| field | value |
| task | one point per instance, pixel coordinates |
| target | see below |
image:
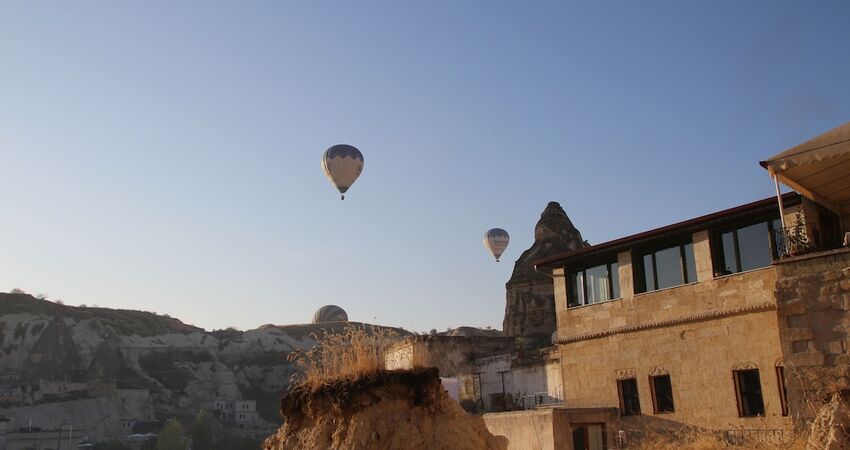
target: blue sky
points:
(164, 156)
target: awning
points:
(819, 169)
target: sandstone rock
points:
(380, 411)
(530, 307)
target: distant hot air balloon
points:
(496, 240)
(342, 165)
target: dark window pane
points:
(577, 289)
(629, 400)
(754, 246)
(730, 266)
(662, 390)
(749, 392)
(778, 237)
(648, 270)
(668, 267)
(597, 284)
(615, 280)
(690, 263)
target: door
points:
(588, 436)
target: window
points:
(668, 267)
(748, 392)
(662, 394)
(594, 285)
(629, 399)
(745, 248)
(783, 393)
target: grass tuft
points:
(350, 354)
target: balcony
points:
(807, 237)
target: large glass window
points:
(668, 267)
(594, 284)
(745, 248)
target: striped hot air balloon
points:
(496, 240)
(342, 165)
(330, 313)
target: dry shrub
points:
(827, 430)
(352, 353)
(695, 439)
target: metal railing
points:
(809, 237)
(542, 399)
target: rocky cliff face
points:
(530, 308)
(103, 350)
(380, 411)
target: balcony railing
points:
(542, 399)
(804, 238)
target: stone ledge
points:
(711, 315)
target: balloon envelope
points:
(496, 240)
(342, 165)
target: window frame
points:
(623, 411)
(718, 254)
(655, 406)
(572, 288)
(639, 277)
(739, 395)
(783, 391)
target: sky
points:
(164, 156)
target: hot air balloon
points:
(496, 240)
(342, 165)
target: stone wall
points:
(813, 295)
(550, 429)
(451, 355)
(697, 333)
(525, 430)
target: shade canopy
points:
(819, 169)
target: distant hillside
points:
(43, 342)
(122, 321)
(471, 331)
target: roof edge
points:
(665, 229)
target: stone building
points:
(737, 320)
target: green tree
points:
(171, 436)
(202, 431)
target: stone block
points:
(793, 307)
(845, 285)
(831, 276)
(835, 347)
(798, 334)
(806, 359)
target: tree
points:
(202, 431)
(171, 436)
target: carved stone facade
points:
(530, 308)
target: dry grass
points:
(707, 440)
(349, 354)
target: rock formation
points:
(530, 308)
(102, 354)
(385, 410)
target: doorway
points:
(588, 436)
